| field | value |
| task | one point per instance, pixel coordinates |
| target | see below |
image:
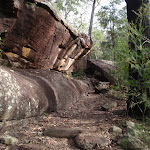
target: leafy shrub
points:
(133, 61)
(79, 74)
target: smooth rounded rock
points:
(130, 124)
(91, 140)
(9, 140)
(115, 132)
(62, 132)
(109, 106)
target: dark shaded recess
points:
(47, 9)
(2, 34)
(7, 8)
(132, 7)
(138, 111)
(49, 94)
(71, 33)
(32, 1)
(30, 48)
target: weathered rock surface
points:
(91, 141)
(102, 87)
(5, 62)
(9, 140)
(101, 70)
(29, 146)
(130, 124)
(115, 132)
(36, 36)
(116, 94)
(27, 93)
(62, 132)
(133, 143)
(136, 137)
(109, 106)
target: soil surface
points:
(86, 114)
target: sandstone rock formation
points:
(36, 36)
(101, 70)
(31, 92)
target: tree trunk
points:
(133, 7)
(91, 23)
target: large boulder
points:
(101, 70)
(27, 93)
(89, 141)
(36, 36)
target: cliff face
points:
(34, 36)
(37, 37)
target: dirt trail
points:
(85, 114)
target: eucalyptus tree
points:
(111, 20)
(76, 12)
(65, 7)
(91, 23)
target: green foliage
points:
(124, 143)
(46, 114)
(140, 132)
(133, 64)
(96, 73)
(144, 133)
(112, 20)
(98, 37)
(67, 6)
(79, 74)
(75, 12)
(139, 79)
(121, 53)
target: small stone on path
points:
(109, 106)
(115, 132)
(9, 140)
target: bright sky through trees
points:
(106, 2)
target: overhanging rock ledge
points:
(36, 36)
